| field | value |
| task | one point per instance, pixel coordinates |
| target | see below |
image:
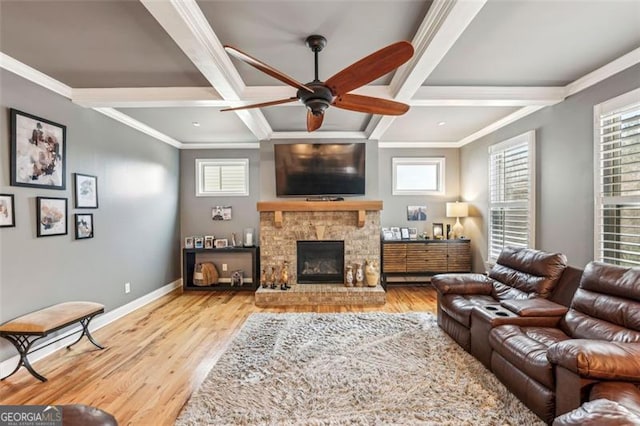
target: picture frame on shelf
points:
(221, 243)
(38, 152)
(7, 211)
(198, 242)
(84, 226)
(208, 241)
(404, 233)
(395, 231)
(85, 191)
(413, 233)
(438, 231)
(188, 242)
(51, 216)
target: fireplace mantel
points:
(319, 206)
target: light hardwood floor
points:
(158, 355)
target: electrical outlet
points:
(224, 266)
(127, 287)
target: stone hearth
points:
(321, 294)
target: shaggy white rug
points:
(356, 369)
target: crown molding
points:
(221, 145)
(486, 96)
(412, 144)
(604, 72)
(25, 71)
(141, 127)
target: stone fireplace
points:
(285, 223)
(320, 262)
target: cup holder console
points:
(502, 314)
(491, 308)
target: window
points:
(222, 177)
(512, 194)
(617, 180)
(418, 176)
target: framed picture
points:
(7, 211)
(221, 243)
(438, 231)
(416, 212)
(208, 241)
(198, 242)
(413, 233)
(404, 233)
(84, 226)
(188, 242)
(395, 231)
(221, 213)
(38, 149)
(85, 191)
(51, 214)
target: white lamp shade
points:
(457, 209)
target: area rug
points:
(355, 369)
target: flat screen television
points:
(317, 170)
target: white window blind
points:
(617, 186)
(512, 194)
(222, 177)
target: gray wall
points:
(136, 225)
(395, 206)
(195, 212)
(564, 167)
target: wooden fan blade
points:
(260, 105)
(370, 68)
(314, 121)
(266, 68)
(370, 105)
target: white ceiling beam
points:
(185, 23)
(148, 97)
(412, 144)
(319, 135)
(486, 96)
(444, 22)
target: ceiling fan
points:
(317, 95)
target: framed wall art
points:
(38, 149)
(84, 226)
(51, 215)
(416, 212)
(85, 190)
(7, 211)
(221, 213)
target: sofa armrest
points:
(462, 283)
(537, 307)
(599, 412)
(598, 359)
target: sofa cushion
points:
(459, 306)
(531, 271)
(624, 393)
(526, 348)
(606, 306)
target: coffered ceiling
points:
(159, 65)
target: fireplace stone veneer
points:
(299, 220)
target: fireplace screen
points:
(320, 262)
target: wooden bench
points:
(23, 332)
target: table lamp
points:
(457, 210)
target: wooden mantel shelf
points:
(319, 206)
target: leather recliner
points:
(610, 404)
(519, 273)
(550, 369)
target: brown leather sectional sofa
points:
(548, 343)
(610, 404)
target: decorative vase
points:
(359, 275)
(348, 276)
(371, 273)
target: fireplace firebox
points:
(320, 262)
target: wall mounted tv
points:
(317, 170)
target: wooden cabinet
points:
(245, 259)
(423, 258)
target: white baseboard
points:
(69, 336)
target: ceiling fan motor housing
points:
(319, 100)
